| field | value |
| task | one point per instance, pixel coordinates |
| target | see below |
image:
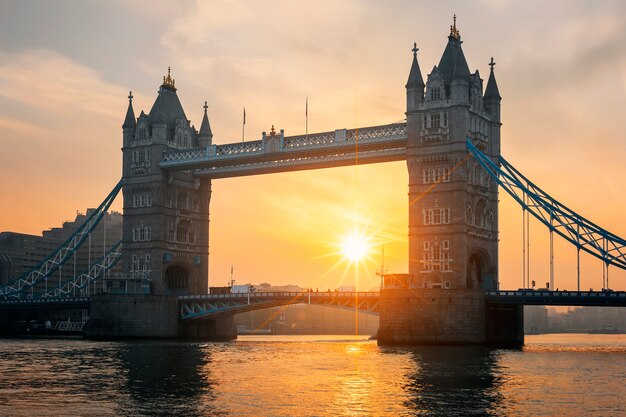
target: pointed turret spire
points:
(205, 136)
(130, 122)
(454, 32)
(169, 82)
(492, 86)
(415, 75)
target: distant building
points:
(19, 252)
(541, 319)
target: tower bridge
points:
(451, 142)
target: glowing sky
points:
(66, 68)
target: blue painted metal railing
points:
(97, 270)
(573, 227)
(61, 254)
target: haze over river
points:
(561, 374)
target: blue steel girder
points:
(61, 254)
(97, 270)
(560, 298)
(560, 219)
(279, 154)
(221, 305)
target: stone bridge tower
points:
(453, 210)
(453, 204)
(166, 214)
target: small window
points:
(445, 244)
(435, 93)
(426, 245)
(434, 120)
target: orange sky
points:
(65, 72)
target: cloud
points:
(48, 82)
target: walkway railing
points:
(284, 146)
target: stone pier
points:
(149, 317)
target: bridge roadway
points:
(221, 305)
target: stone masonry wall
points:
(132, 316)
(432, 316)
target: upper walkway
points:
(279, 153)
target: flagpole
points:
(243, 128)
(306, 116)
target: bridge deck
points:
(196, 306)
(559, 298)
(218, 305)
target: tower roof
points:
(492, 86)
(205, 127)
(453, 63)
(130, 121)
(415, 75)
(167, 107)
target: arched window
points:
(181, 200)
(479, 214)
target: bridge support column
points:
(132, 317)
(424, 316)
(505, 324)
(209, 329)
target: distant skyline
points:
(66, 69)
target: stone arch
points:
(176, 279)
(435, 282)
(479, 270)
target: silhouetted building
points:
(19, 252)
(22, 252)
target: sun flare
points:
(355, 247)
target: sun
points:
(355, 247)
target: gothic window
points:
(142, 234)
(469, 215)
(424, 122)
(426, 245)
(142, 199)
(181, 234)
(434, 121)
(426, 176)
(445, 119)
(436, 257)
(141, 132)
(489, 223)
(479, 214)
(184, 232)
(181, 200)
(435, 93)
(445, 216)
(432, 175)
(436, 216)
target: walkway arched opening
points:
(176, 280)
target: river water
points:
(553, 375)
